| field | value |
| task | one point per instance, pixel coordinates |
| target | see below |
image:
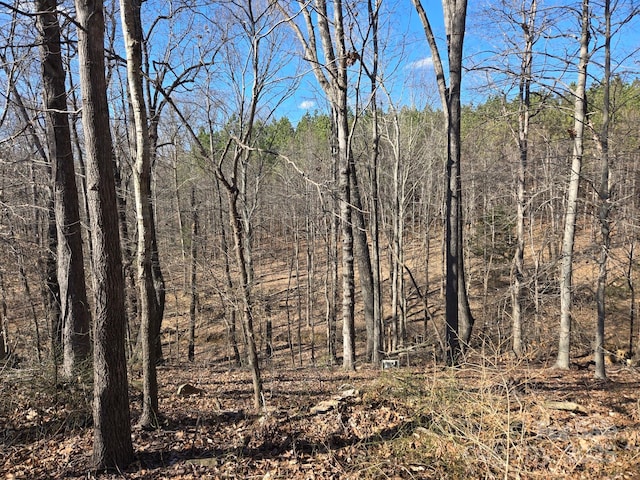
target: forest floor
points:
(498, 419)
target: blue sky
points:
(410, 68)
(407, 62)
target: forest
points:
(319, 239)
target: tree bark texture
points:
(75, 317)
(566, 266)
(604, 194)
(112, 448)
(459, 320)
(132, 33)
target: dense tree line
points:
(452, 223)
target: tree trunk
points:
(604, 193)
(331, 288)
(4, 321)
(156, 270)
(377, 333)
(252, 353)
(632, 293)
(459, 321)
(348, 284)
(132, 32)
(194, 294)
(74, 308)
(363, 258)
(566, 267)
(524, 105)
(228, 281)
(112, 446)
(332, 77)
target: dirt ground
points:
(481, 420)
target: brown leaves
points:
(448, 423)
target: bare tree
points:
(112, 447)
(458, 314)
(577, 134)
(194, 264)
(604, 194)
(74, 308)
(327, 26)
(149, 305)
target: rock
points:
(187, 389)
(204, 462)
(567, 406)
(325, 406)
(350, 393)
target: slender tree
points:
(194, 264)
(74, 308)
(568, 239)
(325, 24)
(604, 194)
(112, 447)
(375, 345)
(528, 26)
(149, 307)
(459, 321)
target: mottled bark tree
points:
(604, 194)
(458, 314)
(148, 308)
(112, 447)
(566, 260)
(74, 308)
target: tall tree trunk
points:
(156, 270)
(194, 294)
(566, 266)
(228, 281)
(524, 106)
(74, 307)
(363, 259)
(377, 340)
(4, 321)
(252, 352)
(112, 447)
(604, 193)
(332, 77)
(132, 32)
(331, 286)
(455, 20)
(348, 274)
(459, 321)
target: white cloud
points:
(426, 62)
(307, 104)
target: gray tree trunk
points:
(75, 317)
(363, 260)
(331, 74)
(566, 265)
(459, 321)
(133, 38)
(604, 194)
(194, 263)
(524, 113)
(376, 344)
(112, 447)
